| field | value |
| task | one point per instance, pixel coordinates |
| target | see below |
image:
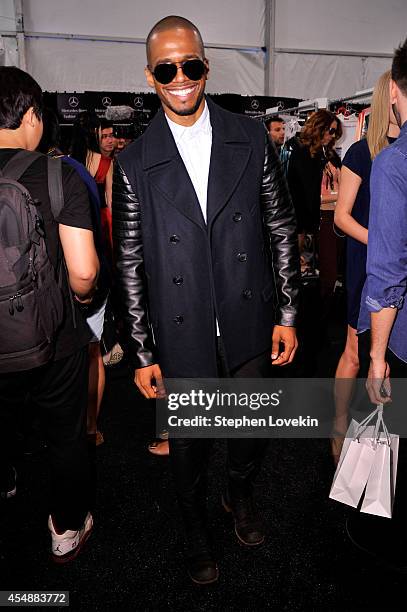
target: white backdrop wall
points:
(77, 65)
(364, 28)
(8, 40)
(318, 47)
(74, 65)
(314, 76)
(233, 22)
(375, 26)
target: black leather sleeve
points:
(129, 272)
(280, 223)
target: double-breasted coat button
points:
(242, 256)
(174, 239)
(247, 294)
(237, 217)
(177, 280)
(178, 319)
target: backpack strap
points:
(55, 189)
(56, 197)
(19, 163)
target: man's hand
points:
(288, 338)
(149, 381)
(378, 382)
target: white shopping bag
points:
(353, 471)
(381, 484)
(368, 461)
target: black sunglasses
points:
(332, 131)
(193, 69)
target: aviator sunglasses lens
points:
(165, 73)
(193, 69)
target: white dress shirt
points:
(194, 144)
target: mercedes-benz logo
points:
(138, 101)
(255, 104)
(73, 101)
(106, 101)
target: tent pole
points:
(18, 12)
(269, 43)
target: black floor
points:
(133, 559)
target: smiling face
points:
(182, 99)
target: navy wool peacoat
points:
(177, 275)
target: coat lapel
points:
(166, 170)
(231, 150)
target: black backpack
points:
(31, 299)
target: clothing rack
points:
(295, 109)
(359, 95)
(314, 105)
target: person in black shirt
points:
(59, 388)
(310, 153)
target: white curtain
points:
(314, 76)
(77, 65)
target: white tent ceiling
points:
(315, 48)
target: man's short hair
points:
(173, 22)
(18, 92)
(105, 124)
(278, 119)
(399, 67)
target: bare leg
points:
(346, 373)
(96, 385)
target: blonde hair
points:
(379, 116)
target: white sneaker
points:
(11, 485)
(66, 546)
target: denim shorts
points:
(95, 322)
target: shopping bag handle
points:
(379, 423)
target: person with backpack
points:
(48, 271)
(50, 144)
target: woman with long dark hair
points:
(85, 148)
(311, 151)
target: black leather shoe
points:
(201, 566)
(248, 526)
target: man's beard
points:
(187, 111)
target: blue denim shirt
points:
(386, 267)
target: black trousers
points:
(189, 457)
(59, 392)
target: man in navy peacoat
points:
(207, 264)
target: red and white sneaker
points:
(67, 545)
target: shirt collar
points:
(201, 126)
